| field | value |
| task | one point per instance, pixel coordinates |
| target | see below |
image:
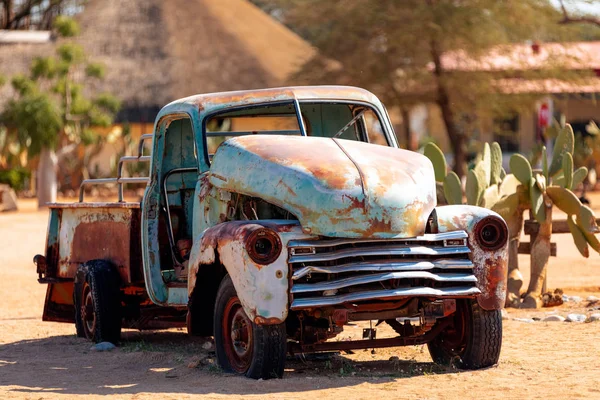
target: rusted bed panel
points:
(82, 232)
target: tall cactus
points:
(510, 195)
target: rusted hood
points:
(334, 187)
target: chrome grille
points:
(336, 271)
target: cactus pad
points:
(565, 143)
(564, 199)
(436, 156)
(452, 188)
(579, 238)
(521, 169)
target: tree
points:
(396, 49)
(52, 115)
(34, 14)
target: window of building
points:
(506, 133)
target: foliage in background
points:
(54, 111)
(16, 178)
(395, 50)
(35, 14)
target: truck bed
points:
(80, 232)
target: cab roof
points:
(210, 102)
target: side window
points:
(276, 119)
(373, 129)
(179, 145)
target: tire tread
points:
(103, 280)
(485, 344)
(270, 341)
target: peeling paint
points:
(490, 267)
(263, 294)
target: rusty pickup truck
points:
(270, 220)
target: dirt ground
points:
(40, 360)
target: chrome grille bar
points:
(363, 279)
(384, 294)
(381, 251)
(383, 267)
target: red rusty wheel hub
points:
(456, 337)
(88, 316)
(237, 336)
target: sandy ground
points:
(41, 360)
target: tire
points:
(261, 349)
(97, 300)
(474, 339)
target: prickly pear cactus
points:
(488, 185)
(555, 184)
(483, 182)
(552, 186)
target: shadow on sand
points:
(173, 362)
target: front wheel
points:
(243, 347)
(472, 341)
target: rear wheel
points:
(97, 302)
(243, 347)
(472, 341)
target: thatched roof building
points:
(156, 51)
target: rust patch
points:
(375, 226)
(413, 216)
(267, 321)
(354, 202)
(494, 284)
(106, 240)
(334, 173)
(287, 187)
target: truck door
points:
(167, 211)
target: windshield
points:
(348, 121)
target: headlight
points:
(491, 233)
(263, 246)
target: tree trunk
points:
(46, 178)
(456, 138)
(540, 254)
(408, 137)
(515, 279)
(7, 14)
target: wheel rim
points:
(237, 336)
(88, 316)
(457, 336)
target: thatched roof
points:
(157, 51)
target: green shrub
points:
(15, 178)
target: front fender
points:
(263, 290)
(490, 267)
